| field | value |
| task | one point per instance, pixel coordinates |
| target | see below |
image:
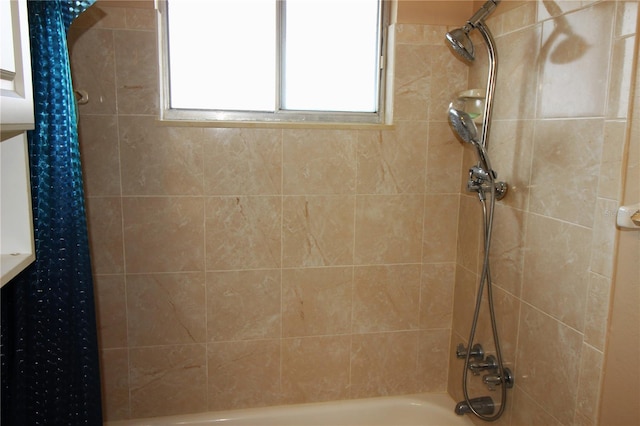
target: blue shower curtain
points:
(49, 355)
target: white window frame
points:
(234, 118)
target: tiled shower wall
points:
(558, 138)
(251, 267)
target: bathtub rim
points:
(440, 400)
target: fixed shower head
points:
(459, 38)
(461, 43)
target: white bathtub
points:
(429, 409)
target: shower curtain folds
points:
(50, 371)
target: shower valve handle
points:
(477, 352)
(493, 380)
(489, 363)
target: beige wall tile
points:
(515, 95)
(136, 71)
(114, 380)
(412, 83)
(546, 11)
(464, 298)
(243, 374)
(589, 387)
(519, 17)
(318, 230)
(243, 305)
(167, 380)
(420, 34)
(507, 310)
(104, 218)
(165, 309)
(556, 266)
(243, 162)
(98, 136)
(393, 161)
(315, 369)
(626, 16)
(440, 227)
(386, 298)
(508, 248)
(444, 88)
(436, 295)
(469, 240)
(550, 348)
(527, 412)
(102, 15)
(566, 158)
(595, 326)
(141, 18)
(455, 367)
(609, 183)
(92, 55)
(316, 301)
(110, 297)
(243, 232)
(383, 364)
(160, 160)
(319, 162)
(388, 229)
(511, 152)
(443, 159)
(604, 237)
(433, 354)
(621, 78)
(163, 234)
(573, 75)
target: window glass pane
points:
(331, 55)
(222, 54)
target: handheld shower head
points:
(464, 126)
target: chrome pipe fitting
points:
(493, 380)
(482, 405)
(489, 363)
(477, 353)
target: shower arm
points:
(491, 82)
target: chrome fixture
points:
(493, 380)
(459, 38)
(489, 363)
(464, 126)
(461, 44)
(476, 353)
(482, 179)
(483, 405)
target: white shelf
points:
(13, 264)
(16, 223)
(16, 112)
(16, 116)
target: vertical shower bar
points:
(491, 82)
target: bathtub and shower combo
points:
(432, 409)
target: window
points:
(273, 60)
